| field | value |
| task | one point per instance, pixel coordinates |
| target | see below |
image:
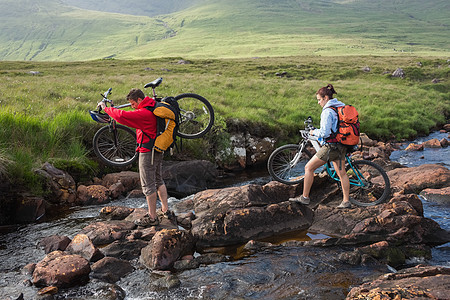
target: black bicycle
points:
(115, 144)
(369, 183)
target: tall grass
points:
(44, 117)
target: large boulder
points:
(420, 282)
(61, 186)
(61, 270)
(414, 180)
(183, 178)
(238, 214)
(166, 247)
(82, 245)
(102, 233)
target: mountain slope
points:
(78, 30)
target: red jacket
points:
(141, 118)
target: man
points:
(150, 161)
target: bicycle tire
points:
(196, 116)
(280, 167)
(376, 186)
(120, 154)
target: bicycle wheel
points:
(287, 165)
(369, 183)
(196, 116)
(116, 148)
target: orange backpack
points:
(348, 126)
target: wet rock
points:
(124, 249)
(29, 269)
(116, 190)
(238, 214)
(49, 290)
(92, 194)
(437, 195)
(444, 143)
(169, 281)
(414, 180)
(102, 233)
(433, 143)
(186, 264)
(111, 269)
(61, 186)
(185, 178)
(420, 282)
(30, 209)
(115, 212)
(54, 242)
(211, 258)
(414, 147)
(61, 270)
(82, 245)
(166, 247)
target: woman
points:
(330, 150)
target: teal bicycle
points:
(369, 183)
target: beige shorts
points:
(150, 174)
(332, 152)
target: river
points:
(275, 273)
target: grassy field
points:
(44, 105)
(53, 31)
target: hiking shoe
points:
(344, 205)
(147, 221)
(301, 199)
(168, 214)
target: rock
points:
(54, 242)
(414, 147)
(437, 195)
(102, 233)
(420, 282)
(211, 258)
(127, 250)
(61, 270)
(29, 269)
(49, 290)
(93, 194)
(30, 209)
(446, 127)
(82, 245)
(366, 141)
(433, 143)
(444, 143)
(398, 73)
(188, 177)
(414, 180)
(238, 214)
(60, 184)
(395, 222)
(129, 180)
(116, 190)
(366, 69)
(115, 212)
(166, 247)
(111, 269)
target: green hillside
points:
(70, 30)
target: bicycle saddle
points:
(154, 83)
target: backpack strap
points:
(332, 138)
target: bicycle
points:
(115, 144)
(369, 183)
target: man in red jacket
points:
(150, 161)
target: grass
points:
(53, 31)
(44, 116)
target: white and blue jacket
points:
(328, 121)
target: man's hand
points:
(102, 105)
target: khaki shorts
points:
(332, 152)
(150, 174)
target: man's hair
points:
(135, 94)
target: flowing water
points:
(277, 272)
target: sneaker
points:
(344, 205)
(301, 199)
(147, 221)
